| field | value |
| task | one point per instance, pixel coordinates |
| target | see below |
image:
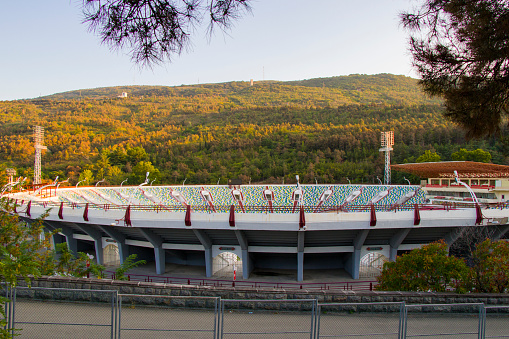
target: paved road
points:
(45, 320)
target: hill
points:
(340, 90)
(324, 129)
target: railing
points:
(487, 187)
(274, 209)
(343, 286)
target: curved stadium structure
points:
(299, 227)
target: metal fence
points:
(161, 316)
(290, 319)
(63, 313)
(82, 313)
(357, 285)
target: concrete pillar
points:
(396, 241)
(300, 255)
(160, 257)
(502, 230)
(300, 266)
(208, 262)
(207, 244)
(159, 253)
(98, 241)
(354, 261)
(247, 264)
(72, 244)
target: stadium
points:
(235, 228)
(244, 227)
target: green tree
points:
(69, 265)
(428, 268)
(140, 171)
(128, 264)
(478, 155)
(136, 154)
(428, 157)
(459, 50)
(86, 177)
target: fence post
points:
(317, 321)
(402, 321)
(482, 322)
(113, 320)
(13, 310)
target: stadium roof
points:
(445, 169)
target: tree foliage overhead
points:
(461, 51)
(155, 30)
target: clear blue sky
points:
(45, 48)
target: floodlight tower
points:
(38, 144)
(11, 172)
(387, 141)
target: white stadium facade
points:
(296, 227)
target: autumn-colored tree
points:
(428, 268)
(23, 252)
(490, 272)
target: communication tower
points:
(387, 141)
(38, 144)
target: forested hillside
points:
(325, 130)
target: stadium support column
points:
(207, 244)
(247, 265)
(68, 232)
(396, 240)
(159, 253)
(98, 241)
(354, 262)
(300, 255)
(500, 232)
(452, 236)
(123, 249)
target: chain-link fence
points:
(496, 323)
(81, 313)
(444, 320)
(161, 316)
(268, 318)
(360, 320)
(63, 313)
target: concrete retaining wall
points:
(130, 287)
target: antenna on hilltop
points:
(38, 144)
(387, 141)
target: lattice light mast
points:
(38, 144)
(387, 141)
(11, 172)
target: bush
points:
(490, 271)
(428, 268)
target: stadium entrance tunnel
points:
(111, 255)
(226, 265)
(371, 264)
